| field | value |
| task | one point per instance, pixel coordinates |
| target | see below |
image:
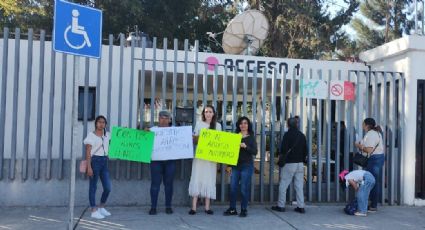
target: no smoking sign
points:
(337, 90)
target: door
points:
(420, 142)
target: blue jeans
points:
(374, 166)
(162, 170)
(363, 192)
(242, 174)
(99, 164)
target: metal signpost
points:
(77, 30)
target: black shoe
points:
(169, 210)
(372, 210)
(300, 210)
(278, 209)
(230, 212)
(209, 212)
(243, 213)
(152, 211)
(192, 212)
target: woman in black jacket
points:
(242, 172)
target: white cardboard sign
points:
(172, 143)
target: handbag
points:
(351, 207)
(361, 160)
(83, 163)
(83, 166)
(282, 160)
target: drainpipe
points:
(367, 86)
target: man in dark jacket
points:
(291, 160)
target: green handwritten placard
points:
(131, 144)
(218, 146)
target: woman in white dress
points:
(203, 177)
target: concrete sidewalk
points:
(259, 217)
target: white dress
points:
(204, 173)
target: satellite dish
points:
(246, 33)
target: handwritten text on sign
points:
(218, 146)
(131, 144)
(172, 143)
(317, 89)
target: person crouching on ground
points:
(362, 181)
(97, 147)
(242, 172)
(291, 160)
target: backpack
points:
(351, 207)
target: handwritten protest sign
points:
(131, 144)
(218, 146)
(172, 143)
(311, 88)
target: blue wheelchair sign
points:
(77, 29)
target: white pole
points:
(416, 16)
(423, 17)
(73, 138)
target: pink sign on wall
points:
(349, 91)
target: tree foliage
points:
(26, 13)
(189, 19)
(302, 29)
(382, 21)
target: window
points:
(91, 103)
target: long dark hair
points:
(214, 118)
(97, 120)
(238, 123)
(371, 124)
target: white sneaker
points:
(360, 214)
(104, 212)
(97, 215)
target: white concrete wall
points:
(404, 55)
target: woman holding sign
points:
(203, 177)
(242, 172)
(97, 146)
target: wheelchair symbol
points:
(76, 29)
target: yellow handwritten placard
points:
(218, 146)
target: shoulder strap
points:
(295, 143)
(376, 146)
(93, 152)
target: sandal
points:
(209, 212)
